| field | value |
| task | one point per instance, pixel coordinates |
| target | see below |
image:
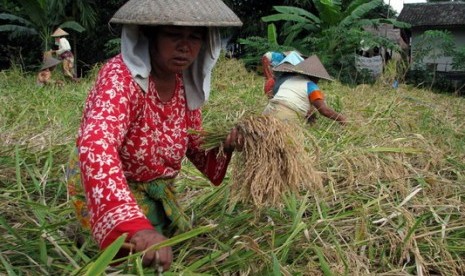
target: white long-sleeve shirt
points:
(63, 46)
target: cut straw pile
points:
(273, 163)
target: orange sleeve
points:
(316, 95)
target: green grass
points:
(393, 200)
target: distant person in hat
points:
(135, 129)
(44, 77)
(269, 61)
(64, 52)
(297, 93)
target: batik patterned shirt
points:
(127, 134)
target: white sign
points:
(372, 64)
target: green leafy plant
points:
(427, 51)
(333, 33)
(458, 60)
(431, 46)
(39, 19)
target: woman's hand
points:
(162, 257)
(234, 141)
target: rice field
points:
(391, 200)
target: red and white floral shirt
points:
(127, 134)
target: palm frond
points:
(291, 14)
(272, 36)
(14, 18)
(16, 31)
(329, 11)
(359, 12)
(36, 11)
(73, 25)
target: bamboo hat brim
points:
(59, 32)
(50, 62)
(211, 13)
(311, 66)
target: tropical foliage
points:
(458, 61)
(35, 20)
(39, 18)
(333, 31)
(82, 11)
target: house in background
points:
(443, 16)
(393, 34)
(374, 58)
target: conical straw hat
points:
(59, 32)
(176, 12)
(50, 62)
(311, 66)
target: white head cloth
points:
(136, 56)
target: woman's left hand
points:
(143, 240)
(234, 141)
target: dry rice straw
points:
(272, 164)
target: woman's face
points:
(174, 48)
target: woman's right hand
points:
(234, 141)
(162, 257)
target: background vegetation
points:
(392, 202)
(331, 29)
(90, 35)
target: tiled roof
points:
(387, 31)
(384, 30)
(434, 14)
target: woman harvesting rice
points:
(134, 131)
(64, 53)
(296, 90)
(44, 77)
(272, 59)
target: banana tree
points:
(299, 23)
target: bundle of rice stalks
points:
(272, 164)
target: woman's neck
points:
(165, 85)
